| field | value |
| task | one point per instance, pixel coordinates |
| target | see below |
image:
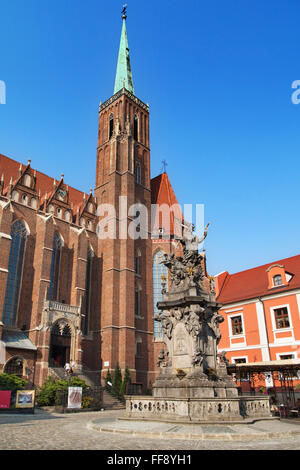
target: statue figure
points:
(223, 358)
(161, 358)
(167, 325)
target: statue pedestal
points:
(198, 410)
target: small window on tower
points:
(138, 173)
(135, 127)
(111, 125)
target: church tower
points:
(122, 180)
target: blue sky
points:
(217, 76)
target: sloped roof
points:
(161, 188)
(254, 282)
(17, 340)
(163, 193)
(44, 183)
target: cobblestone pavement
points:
(73, 431)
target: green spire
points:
(124, 74)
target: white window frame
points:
(275, 329)
(241, 357)
(236, 314)
(290, 353)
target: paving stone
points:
(46, 431)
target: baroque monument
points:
(193, 384)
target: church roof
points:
(9, 168)
(161, 188)
(163, 193)
(253, 283)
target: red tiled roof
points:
(161, 189)
(163, 193)
(44, 183)
(254, 282)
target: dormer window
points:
(277, 276)
(277, 280)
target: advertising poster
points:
(25, 399)
(74, 397)
(5, 396)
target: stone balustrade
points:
(197, 409)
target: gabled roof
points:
(44, 184)
(163, 193)
(253, 282)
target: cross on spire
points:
(164, 167)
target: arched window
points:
(55, 264)
(138, 173)
(137, 262)
(90, 255)
(160, 275)
(137, 302)
(277, 280)
(15, 271)
(111, 125)
(14, 366)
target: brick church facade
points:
(67, 293)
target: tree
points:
(117, 382)
(126, 380)
(108, 379)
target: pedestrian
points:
(73, 365)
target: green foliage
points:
(126, 380)
(87, 402)
(108, 379)
(54, 391)
(117, 382)
(11, 382)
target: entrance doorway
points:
(60, 345)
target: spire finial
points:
(124, 74)
(124, 12)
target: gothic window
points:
(66, 331)
(135, 127)
(111, 125)
(160, 275)
(277, 280)
(137, 264)
(138, 173)
(14, 366)
(90, 255)
(137, 302)
(15, 271)
(27, 180)
(55, 264)
(15, 196)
